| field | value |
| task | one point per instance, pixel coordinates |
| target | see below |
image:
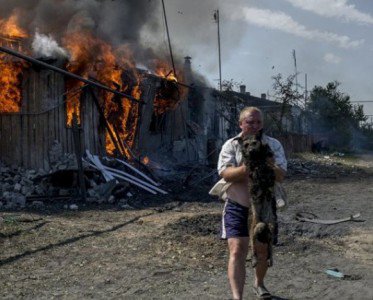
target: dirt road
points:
(171, 250)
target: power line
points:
(168, 37)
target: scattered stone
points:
(27, 190)
(17, 187)
(39, 190)
(64, 192)
(111, 199)
(20, 201)
(37, 204)
(126, 206)
(74, 207)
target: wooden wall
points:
(293, 142)
(26, 137)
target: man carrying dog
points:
(233, 188)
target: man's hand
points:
(279, 173)
(271, 162)
(234, 174)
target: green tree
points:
(285, 93)
(333, 115)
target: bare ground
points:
(171, 250)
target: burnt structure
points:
(174, 122)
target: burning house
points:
(126, 99)
(120, 109)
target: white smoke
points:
(45, 46)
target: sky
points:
(332, 40)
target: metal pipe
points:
(66, 73)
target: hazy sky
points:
(333, 40)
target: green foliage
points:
(285, 93)
(333, 114)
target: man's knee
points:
(238, 249)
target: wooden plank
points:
(2, 141)
(16, 138)
(62, 124)
(9, 149)
(32, 125)
(25, 119)
(38, 147)
(5, 139)
(1, 137)
(85, 123)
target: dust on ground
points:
(169, 248)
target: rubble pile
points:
(107, 182)
(16, 184)
(327, 166)
(117, 182)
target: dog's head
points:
(250, 146)
(253, 149)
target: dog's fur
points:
(255, 156)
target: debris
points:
(335, 273)
(114, 174)
(73, 207)
(301, 216)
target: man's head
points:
(251, 120)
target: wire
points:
(60, 103)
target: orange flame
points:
(92, 57)
(164, 71)
(11, 70)
(10, 28)
(145, 160)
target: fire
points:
(10, 82)
(96, 59)
(93, 57)
(10, 28)
(145, 160)
(11, 69)
(164, 71)
(169, 94)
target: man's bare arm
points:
(233, 174)
(279, 173)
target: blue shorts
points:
(234, 220)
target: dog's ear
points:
(240, 141)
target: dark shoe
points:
(261, 292)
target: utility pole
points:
(296, 71)
(305, 90)
(217, 19)
(168, 37)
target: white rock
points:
(17, 187)
(111, 199)
(73, 207)
(37, 203)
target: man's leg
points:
(238, 248)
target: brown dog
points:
(256, 155)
